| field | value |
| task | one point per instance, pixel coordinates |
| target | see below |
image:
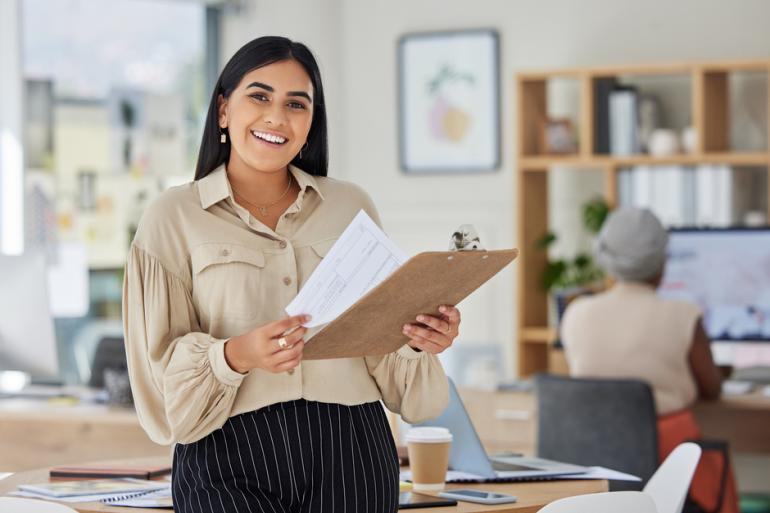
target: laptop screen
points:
(466, 453)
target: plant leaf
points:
(546, 240)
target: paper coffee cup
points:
(428, 457)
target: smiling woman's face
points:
(268, 116)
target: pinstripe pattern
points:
(292, 457)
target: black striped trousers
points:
(292, 457)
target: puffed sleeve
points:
(182, 385)
(411, 383)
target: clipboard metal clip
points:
(465, 238)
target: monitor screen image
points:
(727, 273)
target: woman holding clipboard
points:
(214, 263)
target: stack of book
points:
(117, 486)
(702, 195)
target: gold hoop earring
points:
(302, 149)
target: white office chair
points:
(20, 505)
(669, 485)
(665, 492)
(607, 502)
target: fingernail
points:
(306, 318)
(421, 318)
(442, 309)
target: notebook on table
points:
(157, 499)
(94, 487)
(100, 471)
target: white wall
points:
(356, 41)
(11, 131)
(313, 22)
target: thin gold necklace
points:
(263, 208)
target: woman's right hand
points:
(260, 348)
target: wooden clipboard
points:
(372, 326)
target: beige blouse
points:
(631, 332)
(202, 269)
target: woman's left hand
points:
(434, 334)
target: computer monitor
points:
(727, 272)
(27, 339)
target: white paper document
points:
(456, 476)
(360, 260)
(603, 473)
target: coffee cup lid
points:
(429, 435)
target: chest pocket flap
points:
(209, 255)
(322, 247)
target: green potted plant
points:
(567, 278)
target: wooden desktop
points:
(532, 495)
(507, 421)
(38, 433)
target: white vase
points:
(663, 141)
(689, 139)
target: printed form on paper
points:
(361, 259)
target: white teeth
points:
(269, 137)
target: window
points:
(115, 100)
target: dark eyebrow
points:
(271, 89)
(300, 93)
(263, 86)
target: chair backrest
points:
(110, 353)
(20, 505)
(610, 423)
(607, 502)
(668, 486)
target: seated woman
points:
(629, 331)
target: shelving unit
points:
(709, 92)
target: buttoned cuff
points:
(219, 366)
(407, 352)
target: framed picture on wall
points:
(449, 101)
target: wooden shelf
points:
(659, 69)
(710, 114)
(539, 163)
(538, 335)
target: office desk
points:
(507, 421)
(35, 433)
(742, 420)
(532, 496)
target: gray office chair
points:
(607, 422)
(610, 423)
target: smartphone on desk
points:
(479, 496)
(409, 500)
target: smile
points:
(270, 138)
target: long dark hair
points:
(255, 54)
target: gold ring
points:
(282, 343)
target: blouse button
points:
(225, 252)
(287, 281)
(282, 244)
(290, 371)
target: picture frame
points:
(449, 101)
(557, 136)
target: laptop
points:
(467, 454)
